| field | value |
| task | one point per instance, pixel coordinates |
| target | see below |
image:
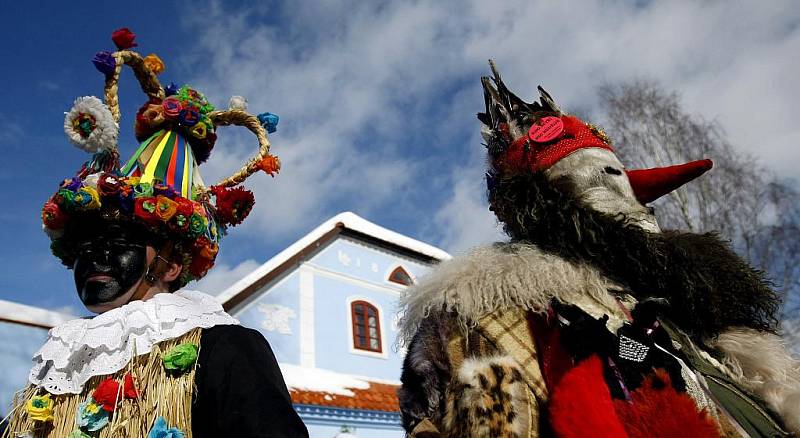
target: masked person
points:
(591, 321)
(158, 360)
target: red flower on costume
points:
(270, 164)
(123, 38)
(233, 205)
(107, 394)
(145, 209)
(53, 217)
(129, 387)
(203, 255)
(108, 185)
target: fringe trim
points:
(160, 394)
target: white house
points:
(327, 304)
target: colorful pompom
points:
(238, 103)
(154, 63)
(269, 121)
(90, 126)
(233, 205)
(123, 38)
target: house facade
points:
(327, 304)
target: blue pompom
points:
(269, 121)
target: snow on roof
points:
(29, 315)
(319, 380)
(350, 221)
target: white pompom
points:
(90, 126)
(91, 180)
(238, 103)
(52, 234)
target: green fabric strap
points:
(745, 409)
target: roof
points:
(378, 397)
(31, 316)
(319, 387)
(347, 224)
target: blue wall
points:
(284, 293)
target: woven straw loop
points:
(243, 118)
(147, 79)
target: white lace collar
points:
(83, 348)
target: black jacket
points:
(240, 389)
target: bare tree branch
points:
(739, 198)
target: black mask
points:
(109, 263)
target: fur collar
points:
(503, 276)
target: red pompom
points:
(233, 205)
(123, 38)
(107, 394)
(129, 387)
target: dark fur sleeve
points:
(426, 373)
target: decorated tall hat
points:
(159, 187)
(532, 137)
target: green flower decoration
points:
(142, 189)
(77, 433)
(196, 224)
(180, 357)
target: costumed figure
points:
(158, 361)
(591, 321)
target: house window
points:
(366, 326)
(401, 276)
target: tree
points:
(739, 198)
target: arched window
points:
(401, 276)
(366, 326)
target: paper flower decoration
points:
(238, 103)
(40, 408)
(129, 387)
(154, 63)
(123, 38)
(107, 394)
(180, 357)
(91, 416)
(269, 121)
(233, 205)
(270, 164)
(160, 430)
(90, 126)
(104, 62)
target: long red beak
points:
(651, 184)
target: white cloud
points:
(222, 276)
(375, 99)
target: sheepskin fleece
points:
(761, 363)
(504, 276)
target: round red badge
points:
(546, 129)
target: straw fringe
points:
(160, 394)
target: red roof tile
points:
(378, 397)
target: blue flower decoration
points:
(104, 62)
(91, 417)
(189, 117)
(269, 121)
(171, 89)
(160, 430)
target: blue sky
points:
(377, 101)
